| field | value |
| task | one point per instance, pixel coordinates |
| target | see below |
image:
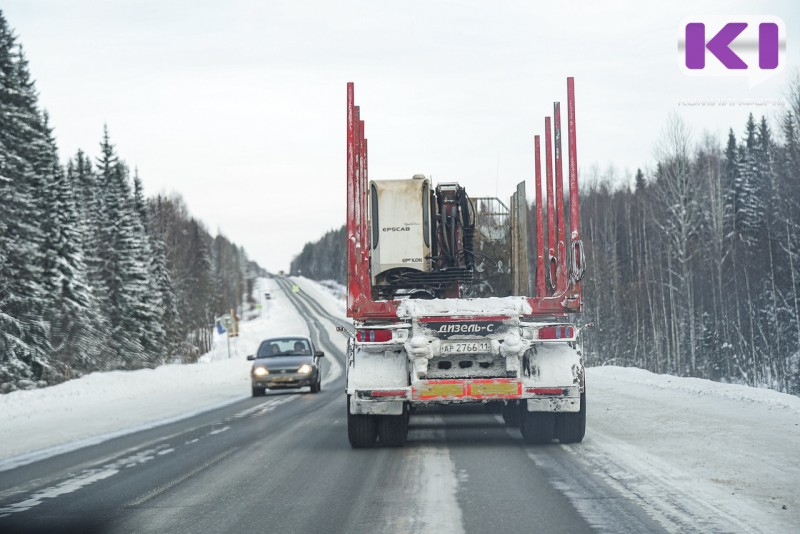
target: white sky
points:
(240, 105)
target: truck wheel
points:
(258, 392)
(511, 414)
(537, 427)
(393, 429)
(571, 426)
(362, 430)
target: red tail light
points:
(556, 332)
(387, 393)
(374, 336)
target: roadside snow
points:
(696, 455)
(35, 424)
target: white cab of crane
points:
(400, 234)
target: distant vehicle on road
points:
(286, 362)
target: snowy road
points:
(282, 463)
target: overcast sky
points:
(239, 105)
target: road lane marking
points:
(437, 500)
(434, 505)
(83, 479)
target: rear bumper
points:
(285, 381)
(538, 398)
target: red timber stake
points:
(551, 216)
(353, 292)
(360, 266)
(561, 253)
(359, 292)
(364, 278)
(578, 261)
(365, 241)
(357, 168)
(541, 288)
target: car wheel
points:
(537, 427)
(571, 426)
(258, 392)
(362, 430)
(393, 429)
(315, 387)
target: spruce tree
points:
(24, 350)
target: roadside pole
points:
(227, 323)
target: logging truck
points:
(449, 304)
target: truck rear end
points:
(439, 289)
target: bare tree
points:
(678, 192)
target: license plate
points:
(465, 347)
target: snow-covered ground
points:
(100, 406)
(691, 448)
(696, 455)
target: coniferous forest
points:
(694, 267)
(94, 275)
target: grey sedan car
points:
(286, 362)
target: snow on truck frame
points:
(439, 293)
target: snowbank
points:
(688, 448)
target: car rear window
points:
(284, 347)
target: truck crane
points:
(450, 306)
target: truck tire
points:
(393, 429)
(258, 392)
(362, 430)
(512, 414)
(537, 427)
(571, 426)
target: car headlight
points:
(305, 369)
(260, 371)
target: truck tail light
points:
(373, 336)
(387, 393)
(557, 332)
